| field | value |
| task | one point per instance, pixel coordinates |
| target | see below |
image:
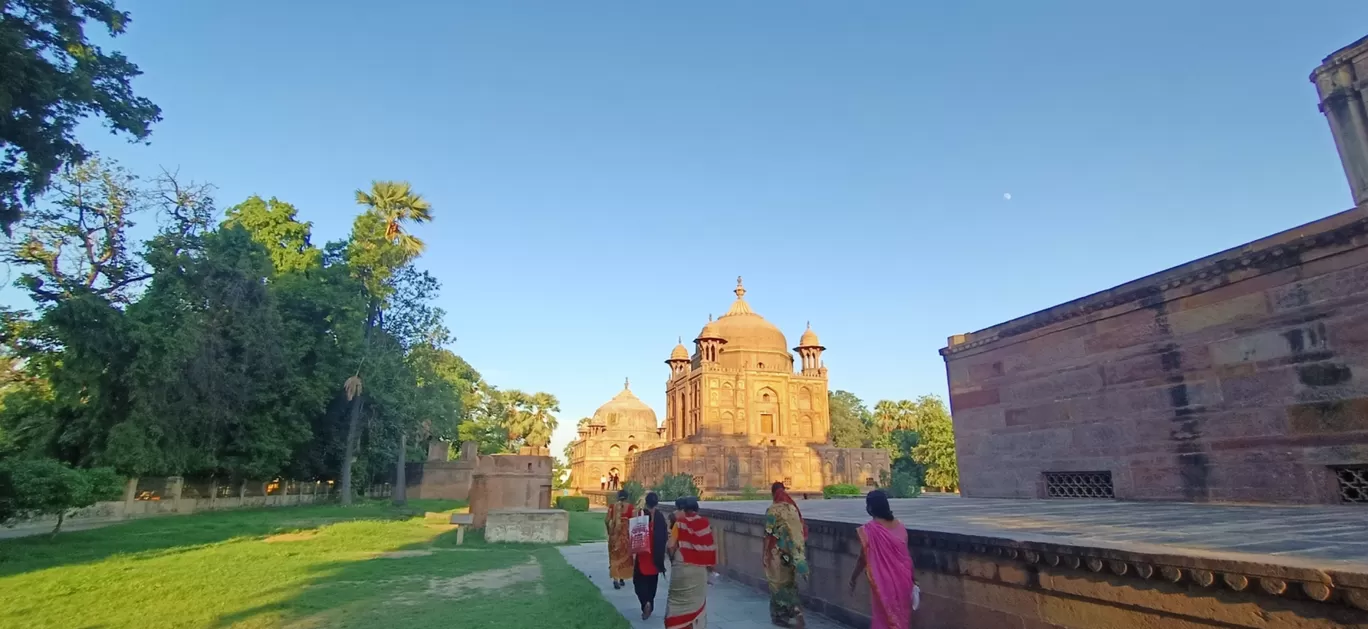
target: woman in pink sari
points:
(886, 562)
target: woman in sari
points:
(693, 553)
(885, 561)
(785, 558)
(648, 566)
(619, 545)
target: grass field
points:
(314, 567)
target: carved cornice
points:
(1274, 253)
(933, 549)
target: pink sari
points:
(890, 573)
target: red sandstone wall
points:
(1239, 377)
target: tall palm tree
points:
(396, 203)
(530, 417)
(887, 416)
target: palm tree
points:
(395, 203)
(887, 416)
(530, 417)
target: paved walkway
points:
(1323, 535)
(731, 605)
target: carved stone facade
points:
(620, 427)
(739, 415)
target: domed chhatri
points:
(739, 392)
(622, 426)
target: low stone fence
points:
(151, 497)
(975, 581)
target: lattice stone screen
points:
(1353, 484)
(1079, 485)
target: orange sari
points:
(619, 545)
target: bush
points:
(635, 492)
(37, 487)
(572, 503)
(675, 486)
(903, 484)
(751, 493)
(841, 491)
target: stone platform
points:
(527, 526)
(1088, 564)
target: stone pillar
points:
(130, 496)
(175, 486)
(1342, 84)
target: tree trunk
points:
(61, 515)
(354, 415)
(400, 482)
(349, 452)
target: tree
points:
(850, 420)
(51, 78)
(77, 240)
(905, 479)
(560, 474)
(936, 451)
(272, 224)
(530, 418)
(37, 487)
(379, 247)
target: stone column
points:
(1342, 84)
(175, 486)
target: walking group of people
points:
(686, 539)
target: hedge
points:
(572, 503)
(841, 491)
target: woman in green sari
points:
(785, 558)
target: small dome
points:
(626, 410)
(809, 338)
(710, 330)
(680, 352)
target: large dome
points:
(625, 411)
(743, 329)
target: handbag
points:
(916, 596)
(639, 534)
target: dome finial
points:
(626, 384)
(740, 290)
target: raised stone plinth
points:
(528, 526)
(1085, 564)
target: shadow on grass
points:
(182, 533)
(437, 584)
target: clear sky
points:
(601, 172)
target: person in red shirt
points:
(693, 553)
(650, 565)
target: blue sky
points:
(602, 172)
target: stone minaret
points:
(1342, 83)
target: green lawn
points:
(324, 567)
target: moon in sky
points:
(1007, 196)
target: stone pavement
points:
(1319, 535)
(731, 605)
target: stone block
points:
(974, 399)
(527, 526)
(1241, 308)
(1333, 416)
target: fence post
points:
(242, 493)
(213, 493)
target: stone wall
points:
(1242, 376)
(974, 582)
(722, 465)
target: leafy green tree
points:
(936, 451)
(51, 78)
(37, 487)
(487, 416)
(272, 224)
(530, 417)
(850, 420)
(560, 474)
(905, 478)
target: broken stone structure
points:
(489, 481)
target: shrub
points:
(37, 487)
(572, 503)
(751, 493)
(675, 486)
(841, 491)
(635, 491)
(904, 483)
